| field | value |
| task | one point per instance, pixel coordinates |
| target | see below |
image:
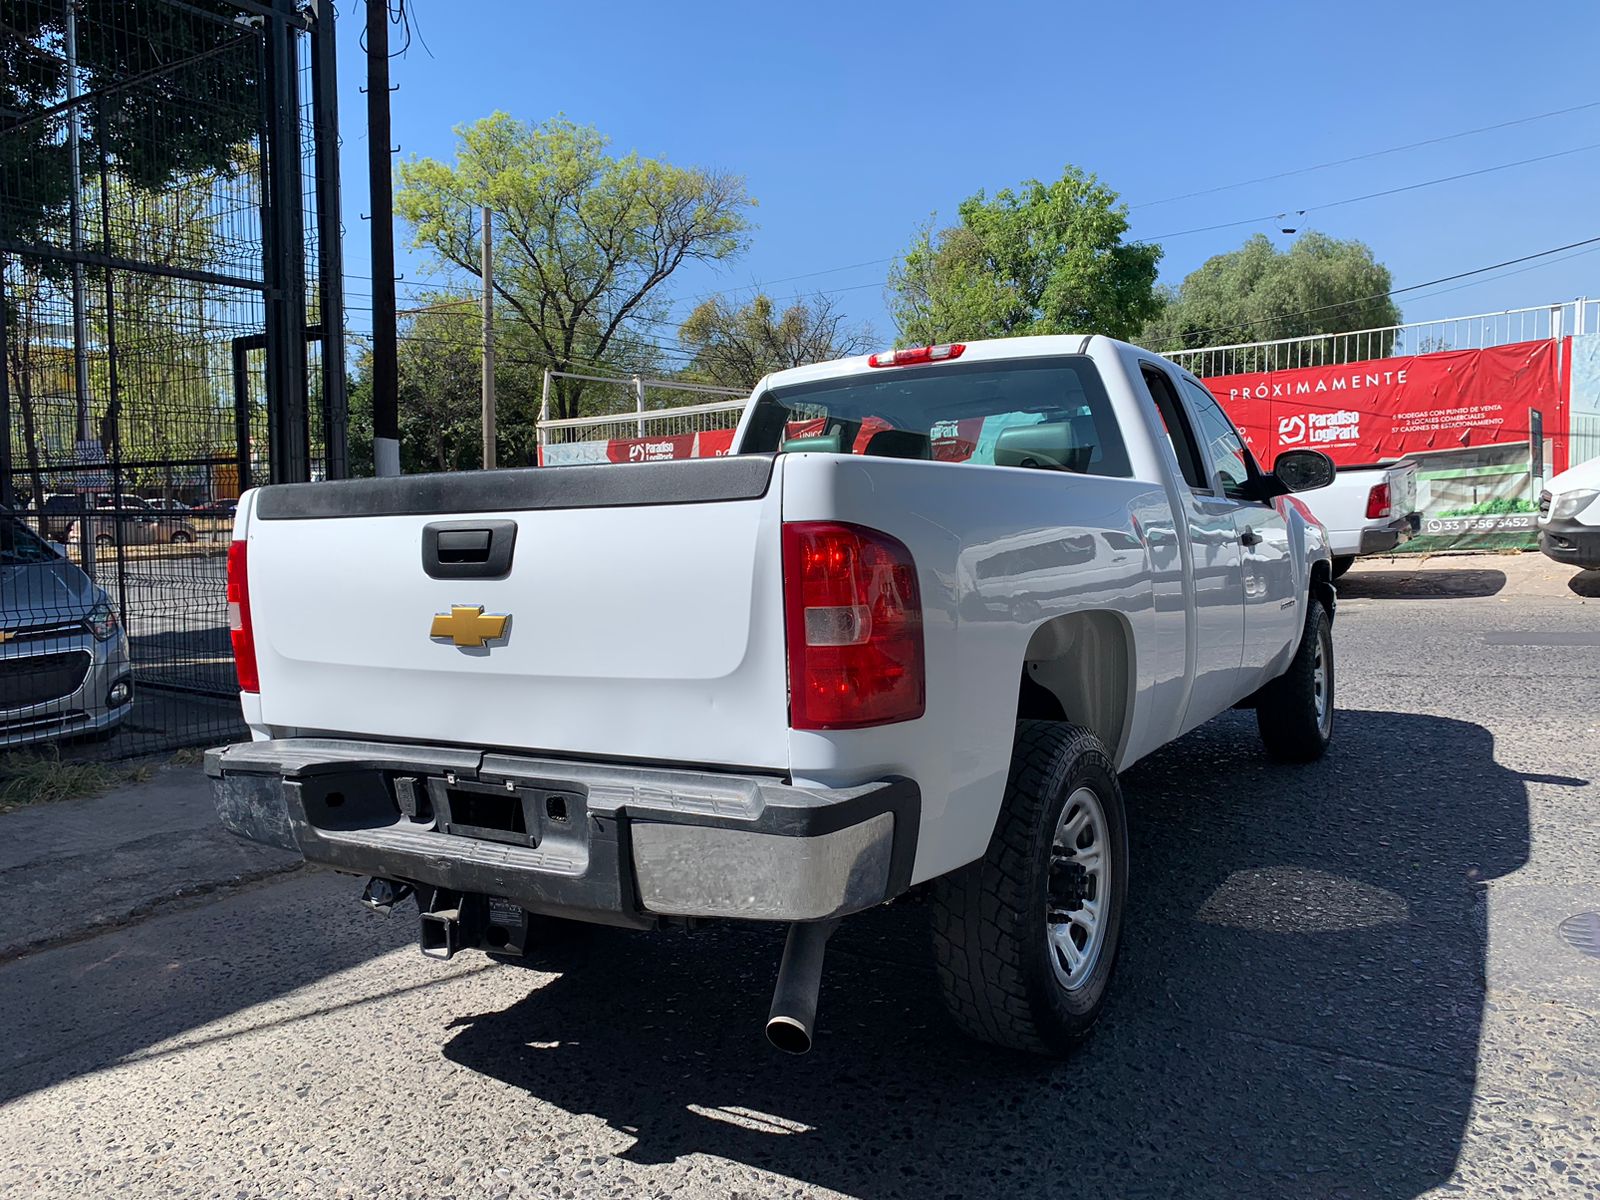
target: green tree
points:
(186, 93)
(1045, 258)
(583, 240)
(440, 373)
(1320, 285)
(734, 346)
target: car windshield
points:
(1026, 412)
(20, 546)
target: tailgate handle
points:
(468, 549)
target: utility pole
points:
(488, 342)
(385, 369)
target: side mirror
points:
(1304, 470)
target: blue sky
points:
(853, 123)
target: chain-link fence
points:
(146, 315)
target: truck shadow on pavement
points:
(1438, 583)
(1296, 1012)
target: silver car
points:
(64, 666)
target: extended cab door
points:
(1273, 611)
(1218, 585)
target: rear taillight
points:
(1378, 501)
(853, 615)
(913, 355)
(239, 627)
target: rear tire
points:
(1342, 563)
(1017, 961)
(1295, 711)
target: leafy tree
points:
(1045, 258)
(1258, 293)
(736, 346)
(440, 376)
(583, 240)
(150, 131)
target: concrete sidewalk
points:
(71, 868)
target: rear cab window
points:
(1049, 413)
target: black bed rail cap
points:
(602, 485)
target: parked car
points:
(913, 644)
(1569, 516)
(64, 667)
(128, 519)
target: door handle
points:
(468, 549)
(1249, 537)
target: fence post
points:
(638, 401)
(7, 496)
(544, 415)
(283, 245)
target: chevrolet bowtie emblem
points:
(466, 625)
(6, 635)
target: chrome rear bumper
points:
(604, 842)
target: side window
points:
(1176, 423)
(1223, 445)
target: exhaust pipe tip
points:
(788, 1034)
(792, 1020)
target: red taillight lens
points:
(913, 355)
(854, 622)
(1378, 501)
(239, 627)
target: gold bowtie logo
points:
(466, 625)
(6, 635)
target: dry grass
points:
(43, 777)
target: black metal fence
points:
(165, 172)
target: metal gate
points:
(167, 191)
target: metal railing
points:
(1476, 332)
(640, 407)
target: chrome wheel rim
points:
(1321, 689)
(1078, 889)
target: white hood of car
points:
(1584, 475)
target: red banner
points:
(1382, 410)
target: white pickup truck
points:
(1368, 510)
(907, 634)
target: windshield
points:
(1051, 413)
(20, 546)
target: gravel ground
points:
(1345, 980)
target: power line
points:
(1305, 312)
(1255, 220)
(1340, 162)
(1509, 274)
(1394, 191)
(1261, 179)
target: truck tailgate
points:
(644, 603)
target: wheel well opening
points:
(1077, 668)
(1322, 586)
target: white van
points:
(1569, 516)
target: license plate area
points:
(516, 815)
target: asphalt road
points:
(1343, 980)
